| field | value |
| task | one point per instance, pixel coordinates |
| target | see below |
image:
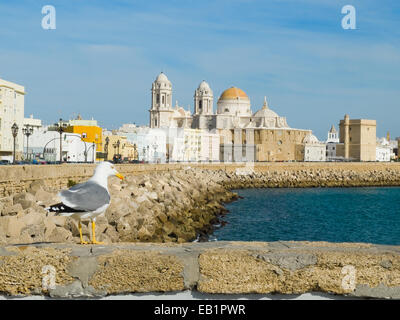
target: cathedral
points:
(264, 131)
(233, 109)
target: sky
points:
(103, 56)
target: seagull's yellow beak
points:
(120, 176)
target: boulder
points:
(72, 225)
(33, 233)
(111, 233)
(116, 210)
(59, 221)
(32, 217)
(11, 226)
(13, 210)
(60, 234)
(7, 201)
(45, 198)
(144, 234)
(35, 186)
(25, 199)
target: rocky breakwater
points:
(311, 177)
(175, 206)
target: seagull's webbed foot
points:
(94, 241)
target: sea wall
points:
(65, 270)
(16, 179)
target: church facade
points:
(264, 132)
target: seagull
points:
(87, 200)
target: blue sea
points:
(314, 214)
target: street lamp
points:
(155, 146)
(116, 145)
(14, 130)
(106, 147)
(60, 130)
(27, 131)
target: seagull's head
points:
(108, 169)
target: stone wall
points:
(356, 270)
(16, 179)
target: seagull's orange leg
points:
(94, 234)
(80, 234)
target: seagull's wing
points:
(88, 196)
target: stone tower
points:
(203, 107)
(161, 102)
(203, 99)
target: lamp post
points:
(27, 131)
(14, 130)
(60, 130)
(94, 152)
(116, 145)
(106, 147)
(155, 146)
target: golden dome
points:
(233, 93)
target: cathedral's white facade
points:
(233, 110)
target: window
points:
(84, 135)
(200, 104)
(163, 99)
(158, 98)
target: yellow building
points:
(118, 145)
(88, 130)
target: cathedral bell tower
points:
(161, 102)
(203, 99)
(203, 107)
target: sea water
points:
(366, 214)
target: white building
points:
(314, 150)
(34, 125)
(209, 146)
(128, 127)
(151, 144)
(194, 145)
(383, 150)
(45, 145)
(32, 122)
(12, 102)
(331, 144)
(175, 144)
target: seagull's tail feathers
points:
(62, 210)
